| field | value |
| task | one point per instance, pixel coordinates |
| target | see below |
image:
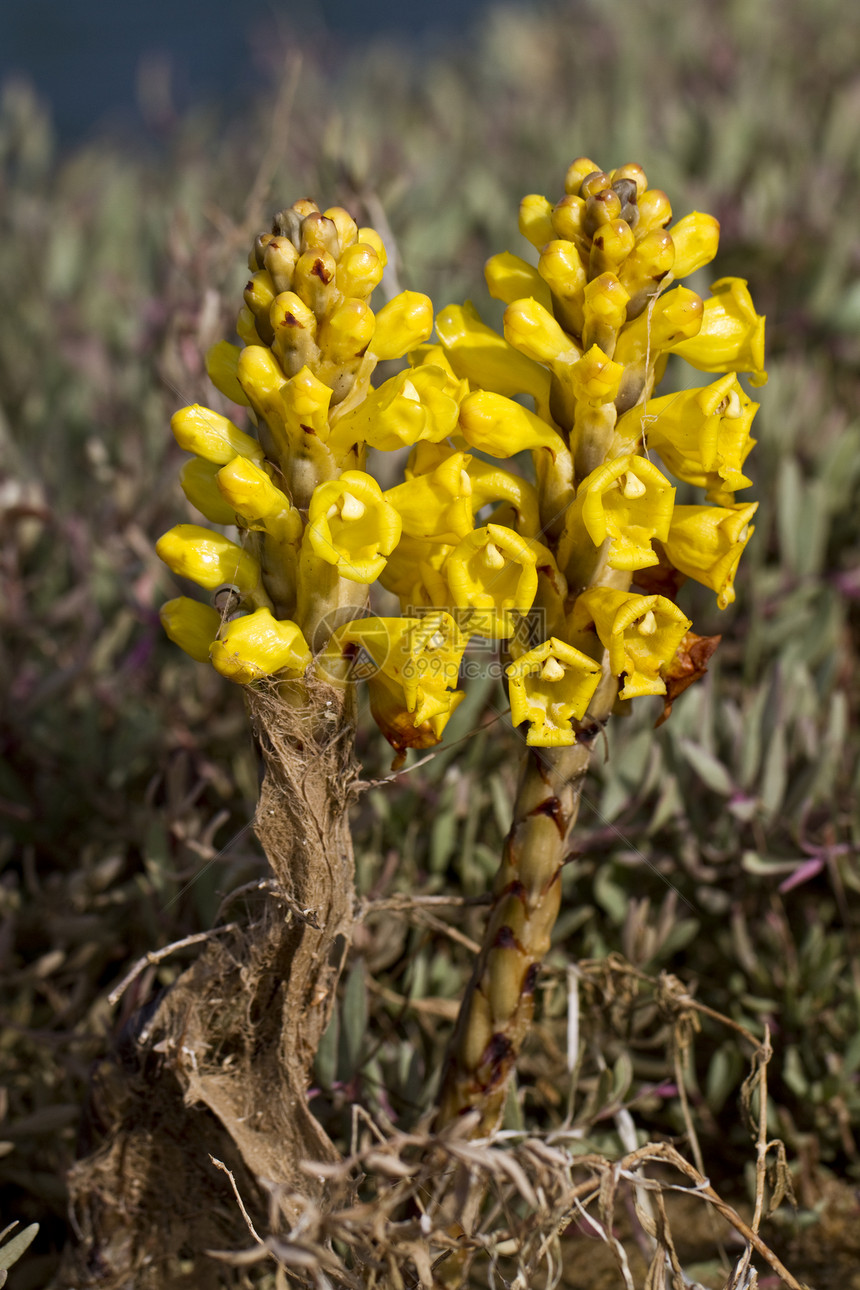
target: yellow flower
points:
(500, 427)
(347, 331)
(531, 328)
(509, 278)
(437, 505)
(351, 526)
(261, 504)
(212, 436)
(702, 435)
(674, 317)
(628, 502)
(419, 404)
(549, 687)
(491, 483)
(485, 359)
(492, 574)
(640, 633)
(406, 321)
(732, 333)
(222, 361)
(696, 238)
(199, 480)
(191, 625)
(412, 573)
(535, 220)
(595, 379)
(258, 645)
(209, 558)
(706, 543)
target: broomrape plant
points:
(574, 571)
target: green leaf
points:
(709, 768)
(353, 1020)
(11, 1252)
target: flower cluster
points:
(471, 546)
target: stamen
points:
(351, 507)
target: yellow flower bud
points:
(568, 220)
(532, 329)
(706, 543)
(314, 282)
(359, 271)
(605, 304)
(347, 229)
(671, 319)
(406, 321)
(212, 436)
(441, 394)
(261, 504)
(646, 267)
(262, 378)
(492, 574)
(562, 269)
(655, 211)
(294, 325)
(510, 278)
(731, 337)
(221, 363)
(595, 378)
(199, 480)
(500, 427)
(370, 237)
(628, 502)
(306, 402)
(578, 171)
(535, 221)
(209, 558)
(280, 257)
(702, 435)
(352, 526)
(640, 633)
(549, 687)
(610, 246)
(696, 238)
(319, 233)
(347, 332)
(257, 645)
(485, 359)
(438, 505)
(634, 173)
(259, 294)
(190, 625)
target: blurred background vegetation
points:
(722, 849)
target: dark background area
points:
(102, 64)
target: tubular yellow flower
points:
(221, 363)
(199, 480)
(437, 505)
(406, 321)
(294, 326)
(261, 504)
(209, 558)
(351, 526)
(510, 278)
(549, 687)
(305, 401)
(359, 270)
(628, 502)
(392, 416)
(595, 379)
(492, 573)
(441, 394)
(655, 211)
(674, 317)
(493, 484)
(646, 267)
(640, 633)
(500, 427)
(731, 336)
(412, 573)
(347, 331)
(531, 328)
(212, 436)
(279, 258)
(535, 220)
(696, 238)
(258, 645)
(702, 435)
(483, 358)
(604, 311)
(562, 269)
(191, 625)
(707, 542)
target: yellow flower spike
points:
(655, 211)
(707, 542)
(568, 220)
(260, 503)
(731, 337)
(280, 257)
(595, 379)
(314, 282)
(610, 246)
(535, 220)
(347, 229)
(222, 361)
(191, 625)
(370, 237)
(562, 268)
(498, 426)
(532, 329)
(510, 278)
(295, 326)
(492, 575)
(702, 435)
(199, 480)
(436, 506)
(352, 526)
(696, 238)
(212, 436)
(209, 558)
(257, 645)
(646, 268)
(627, 502)
(549, 687)
(578, 171)
(406, 321)
(491, 483)
(640, 633)
(483, 358)
(359, 271)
